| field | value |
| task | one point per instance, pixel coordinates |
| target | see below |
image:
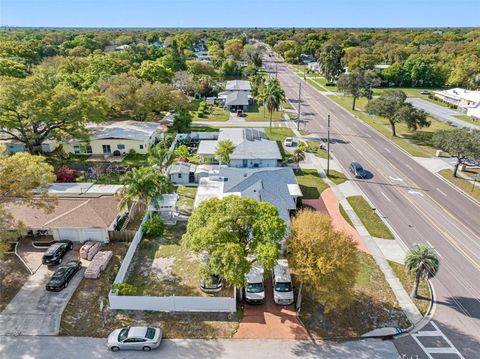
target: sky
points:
(240, 13)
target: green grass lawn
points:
(407, 279)
(337, 177)
(255, 113)
(214, 114)
(314, 147)
(135, 159)
(279, 133)
(369, 218)
(468, 119)
(345, 215)
(417, 143)
(204, 129)
(461, 183)
(372, 300)
(310, 183)
(186, 198)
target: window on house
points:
(120, 147)
(76, 149)
(88, 149)
(179, 175)
(141, 147)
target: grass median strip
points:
(462, 183)
(369, 218)
(407, 279)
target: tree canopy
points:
(19, 175)
(223, 151)
(461, 143)
(235, 232)
(357, 83)
(323, 259)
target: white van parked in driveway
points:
(255, 288)
(282, 283)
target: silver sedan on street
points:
(134, 338)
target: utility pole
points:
(328, 145)
(299, 104)
(276, 70)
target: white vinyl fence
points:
(173, 304)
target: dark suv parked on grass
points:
(56, 251)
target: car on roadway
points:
(62, 276)
(424, 92)
(357, 170)
(282, 283)
(255, 288)
(289, 142)
(134, 338)
(211, 283)
(56, 252)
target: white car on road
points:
(134, 338)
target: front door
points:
(106, 149)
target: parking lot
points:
(34, 310)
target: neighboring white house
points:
(237, 95)
(466, 101)
(277, 186)
(181, 173)
(122, 47)
(252, 148)
(84, 211)
(117, 138)
(313, 66)
(380, 67)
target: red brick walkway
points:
(270, 321)
(328, 204)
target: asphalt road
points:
(39, 347)
(441, 113)
(420, 207)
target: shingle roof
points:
(264, 185)
(69, 213)
(237, 98)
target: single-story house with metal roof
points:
(236, 95)
(117, 138)
(238, 85)
(252, 148)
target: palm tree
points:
(423, 262)
(141, 185)
(298, 155)
(157, 156)
(273, 97)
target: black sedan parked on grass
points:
(62, 276)
(56, 251)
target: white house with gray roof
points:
(277, 186)
(252, 148)
(237, 95)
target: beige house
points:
(117, 138)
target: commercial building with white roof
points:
(466, 101)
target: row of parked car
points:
(64, 272)
(281, 283)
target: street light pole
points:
(299, 104)
(276, 70)
(328, 145)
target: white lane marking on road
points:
(415, 192)
(396, 179)
(409, 167)
(430, 244)
(439, 190)
(436, 350)
(386, 149)
(384, 195)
